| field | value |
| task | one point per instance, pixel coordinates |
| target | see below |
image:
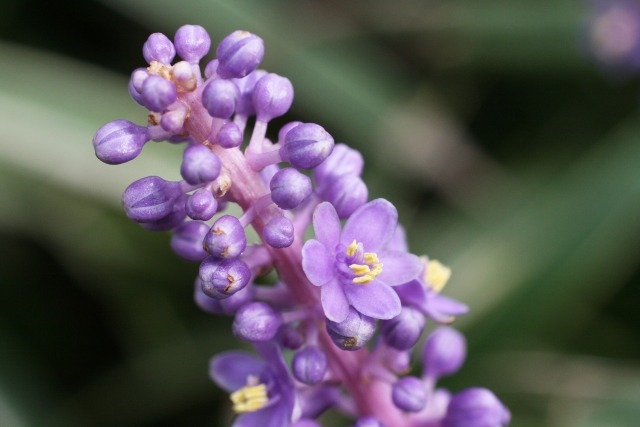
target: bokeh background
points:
(506, 132)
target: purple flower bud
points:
(278, 232)
(201, 205)
(444, 352)
(272, 97)
(219, 97)
(159, 48)
(290, 337)
(229, 135)
(119, 141)
(186, 240)
(199, 165)
(221, 278)
(289, 188)
(150, 199)
(346, 193)
(282, 133)
(184, 77)
(192, 43)
(353, 332)
(239, 54)
(306, 146)
(175, 218)
(309, 365)
(342, 161)
(138, 76)
(246, 86)
(476, 407)
(157, 93)
(368, 421)
(222, 306)
(403, 331)
(409, 394)
(256, 321)
(226, 239)
(210, 68)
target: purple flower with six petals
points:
(336, 260)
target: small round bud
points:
(346, 193)
(282, 133)
(119, 141)
(186, 240)
(272, 97)
(306, 146)
(157, 93)
(278, 232)
(290, 337)
(192, 43)
(199, 165)
(210, 68)
(138, 76)
(221, 278)
(226, 239)
(368, 421)
(353, 332)
(309, 365)
(229, 135)
(173, 120)
(289, 188)
(444, 352)
(239, 54)
(342, 161)
(150, 199)
(409, 394)
(184, 77)
(222, 306)
(159, 48)
(201, 205)
(403, 331)
(476, 407)
(256, 321)
(246, 86)
(219, 98)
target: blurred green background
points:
(511, 155)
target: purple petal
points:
(399, 268)
(374, 299)
(317, 262)
(277, 415)
(443, 309)
(372, 225)
(334, 301)
(230, 370)
(326, 225)
(398, 241)
(412, 293)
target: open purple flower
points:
(336, 260)
(423, 293)
(262, 391)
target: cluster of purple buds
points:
(349, 305)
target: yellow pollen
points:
(437, 275)
(371, 258)
(360, 269)
(250, 398)
(351, 249)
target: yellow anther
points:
(360, 269)
(250, 398)
(371, 258)
(351, 249)
(437, 275)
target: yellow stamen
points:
(371, 258)
(351, 249)
(437, 275)
(368, 271)
(249, 398)
(360, 269)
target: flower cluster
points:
(348, 305)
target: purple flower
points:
(262, 391)
(423, 293)
(336, 260)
